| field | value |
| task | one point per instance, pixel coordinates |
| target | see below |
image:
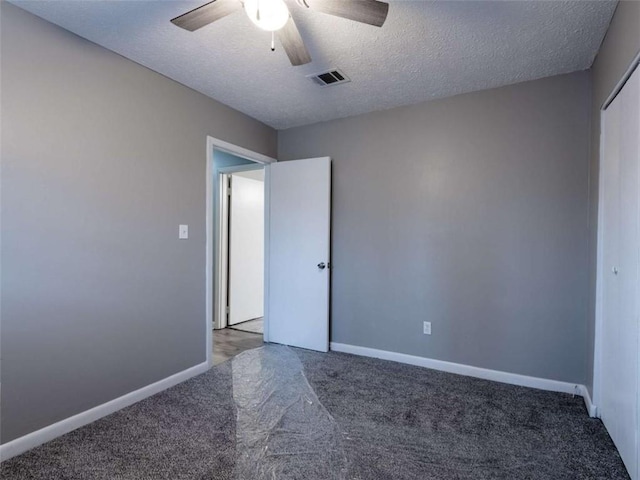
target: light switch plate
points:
(183, 232)
(426, 328)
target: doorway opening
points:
(240, 324)
(297, 219)
(236, 245)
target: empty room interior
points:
(319, 239)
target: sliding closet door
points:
(629, 245)
(620, 275)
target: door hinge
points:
(229, 186)
(228, 310)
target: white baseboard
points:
(470, 371)
(591, 408)
(34, 439)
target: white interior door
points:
(246, 247)
(299, 221)
(620, 275)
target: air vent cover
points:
(329, 78)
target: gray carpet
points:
(396, 421)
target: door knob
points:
(614, 270)
(321, 265)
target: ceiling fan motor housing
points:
(274, 16)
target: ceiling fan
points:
(274, 16)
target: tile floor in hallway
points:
(227, 343)
(255, 325)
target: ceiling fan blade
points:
(293, 44)
(371, 12)
(206, 14)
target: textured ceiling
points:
(425, 50)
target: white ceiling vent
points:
(329, 78)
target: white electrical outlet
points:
(183, 232)
(426, 328)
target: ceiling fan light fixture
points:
(269, 15)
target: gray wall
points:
(469, 212)
(101, 160)
(618, 50)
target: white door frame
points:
(213, 223)
(597, 355)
